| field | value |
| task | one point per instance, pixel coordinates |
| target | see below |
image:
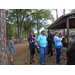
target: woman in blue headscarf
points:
(58, 46)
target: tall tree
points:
(3, 51)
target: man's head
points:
(56, 33)
(11, 38)
(31, 34)
(48, 32)
(43, 32)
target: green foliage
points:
(27, 20)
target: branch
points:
(31, 14)
(23, 17)
(20, 10)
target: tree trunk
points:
(22, 35)
(21, 30)
(37, 28)
(27, 33)
(3, 51)
(18, 26)
(56, 14)
(64, 29)
(7, 34)
(15, 34)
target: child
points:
(70, 55)
(34, 36)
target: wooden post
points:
(68, 46)
(64, 29)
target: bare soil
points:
(22, 57)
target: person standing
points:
(58, 46)
(11, 49)
(42, 43)
(50, 41)
(31, 48)
(34, 36)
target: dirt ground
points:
(22, 57)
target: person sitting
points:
(65, 41)
(70, 55)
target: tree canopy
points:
(20, 22)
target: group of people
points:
(41, 43)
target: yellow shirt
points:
(65, 39)
(70, 40)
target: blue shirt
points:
(11, 43)
(42, 40)
(31, 45)
(57, 41)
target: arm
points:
(38, 43)
(10, 47)
(30, 42)
(49, 37)
(38, 39)
(64, 56)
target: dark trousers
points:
(64, 44)
(50, 50)
(58, 54)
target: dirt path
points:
(22, 55)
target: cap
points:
(34, 34)
(48, 30)
(43, 31)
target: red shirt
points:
(62, 40)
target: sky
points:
(60, 13)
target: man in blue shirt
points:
(42, 43)
(31, 48)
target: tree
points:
(73, 10)
(3, 51)
(27, 20)
(41, 18)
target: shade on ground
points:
(22, 55)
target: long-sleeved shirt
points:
(57, 41)
(50, 38)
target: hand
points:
(11, 49)
(39, 46)
(62, 36)
(34, 42)
(49, 38)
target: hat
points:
(34, 34)
(48, 30)
(43, 31)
